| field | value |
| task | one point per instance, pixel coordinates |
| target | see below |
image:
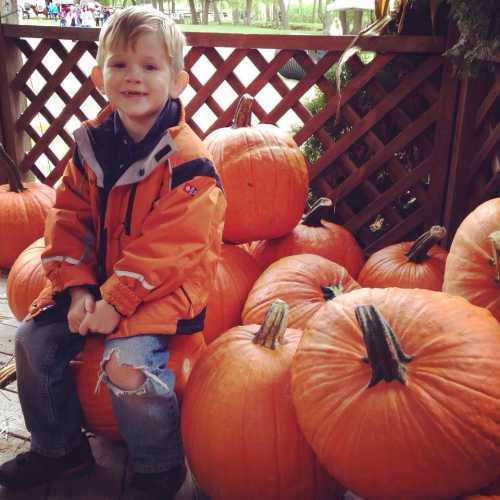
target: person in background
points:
(132, 245)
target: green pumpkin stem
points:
(331, 291)
(243, 114)
(385, 356)
(495, 250)
(322, 209)
(272, 330)
(15, 181)
(420, 247)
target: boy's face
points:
(138, 81)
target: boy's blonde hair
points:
(125, 26)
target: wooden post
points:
(443, 138)
(11, 103)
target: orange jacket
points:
(162, 232)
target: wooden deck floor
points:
(112, 472)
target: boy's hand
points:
(103, 319)
(82, 302)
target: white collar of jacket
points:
(136, 172)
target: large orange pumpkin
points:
(23, 208)
(26, 279)
(239, 427)
(305, 282)
(235, 275)
(185, 350)
(390, 425)
(315, 234)
(410, 264)
(264, 176)
(473, 265)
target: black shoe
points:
(31, 469)
(159, 485)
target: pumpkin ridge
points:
(444, 407)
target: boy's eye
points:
(118, 65)
(150, 67)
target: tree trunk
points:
(248, 12)
(268, 13)
(217, 17)
(9, 11)
(357, 21)
(194, 14)
(343, 21)
(236, 15)
(315, 6)
(160, 6)
(172, 7)
(283, 12)
(204, 15)
(320, 10)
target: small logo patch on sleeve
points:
(190, 189)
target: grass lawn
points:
(304, 28)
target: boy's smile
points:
(137, 80)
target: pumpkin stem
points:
(331, 291)
(385, 355)
(495, 250)
(274, 326)
(418, 251)
(322, 209)
(15, 181)
(243, 114)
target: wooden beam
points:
(428, 44)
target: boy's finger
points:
(89, 304)
(84, 328)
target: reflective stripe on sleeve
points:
(62, 258)
(136, 276)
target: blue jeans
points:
(147, 418)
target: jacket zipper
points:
(130, 205)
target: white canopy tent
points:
(351, 4)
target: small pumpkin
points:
(239, 427)
(23, 208)
(305, 282)
(264, 175)
(315, 234)
(184, 352)
(473, 265)
(397, 392)
(236, 273)
(410, 264)
(26, 279)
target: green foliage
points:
(478, 22)
(312, 147)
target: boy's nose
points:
(133, 75)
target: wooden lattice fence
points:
(385, 163)
(475, 162)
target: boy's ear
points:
(96, 77)
(179, 84)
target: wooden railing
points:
(385, 163)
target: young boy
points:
(131, 249)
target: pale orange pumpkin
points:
(26, 279)
(473, 265)
(264, 176)
(305, 282)
(184, 352)
(409, 264)
(239, 427)
(315, 234)
(397, 392)
(235, 275)
(23, 208)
